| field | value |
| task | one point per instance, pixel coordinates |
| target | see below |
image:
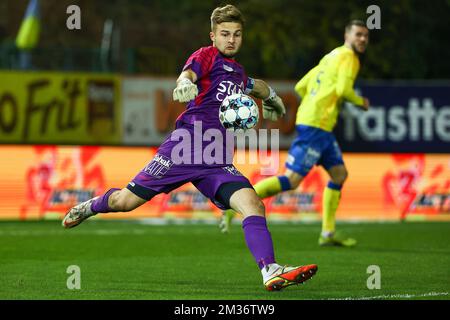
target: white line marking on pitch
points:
(101, 232)
(394, 296)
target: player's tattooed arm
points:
(273, 106)
(186, 89)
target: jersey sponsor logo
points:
(228, 68)
(158, 166)
(227, 88)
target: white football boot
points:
(78, 214)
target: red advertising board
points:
(44, 181)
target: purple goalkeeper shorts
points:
(164, 173)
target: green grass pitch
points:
(128, 260)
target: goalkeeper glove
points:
(185, 91)
(273, 107)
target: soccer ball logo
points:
(238, 112)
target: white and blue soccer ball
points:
(238, 112)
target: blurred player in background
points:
(322, 90)
(209, 75)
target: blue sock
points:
(334, 186)
(285, 183)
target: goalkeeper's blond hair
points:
(228, 13)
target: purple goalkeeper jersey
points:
(217, 77)
(179, 160)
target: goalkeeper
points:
(322, 90)
(207, 75)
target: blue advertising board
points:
(403, 117)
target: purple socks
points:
(259, 240)
(100, 205)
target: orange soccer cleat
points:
(286, 276)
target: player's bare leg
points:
(331, 198)
(259, 241)
(114, 200)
